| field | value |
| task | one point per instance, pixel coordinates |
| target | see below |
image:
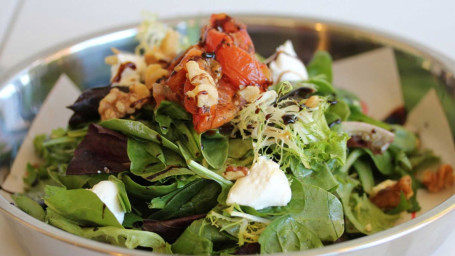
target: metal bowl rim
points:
(50, 54)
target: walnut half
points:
(117, 104)
(235, 172)
(388, 197)
(437, 181)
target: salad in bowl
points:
(212, 148)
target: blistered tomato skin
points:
(240, 67)
(226, 52)
(225, 28)
(178, 73)
(215, 39)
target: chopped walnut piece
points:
(166, 51)
(117, 104)
(204, 85)
(249, 93)
(153, 72)
(437, 181)
(312, 102)
(235, 172)
(389, 196)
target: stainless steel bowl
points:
(25, 88)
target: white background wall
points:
(42, 24)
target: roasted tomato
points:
(177, 79)
(231, 30)
(240, 67)
(226, 52)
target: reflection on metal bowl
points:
(22, 94)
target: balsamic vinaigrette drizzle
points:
(289, 119)
(103, 211)
(208, 55)
(300, 93)
(337, 121)
(120, 70)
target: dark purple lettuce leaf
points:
(86, 106)
(101, 151)
(398, 116)
(248, 249)
(170, 230)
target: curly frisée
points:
(209, 148)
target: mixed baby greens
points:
(171, 180)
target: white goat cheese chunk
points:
(128, 76)
(266, 185)
(108, 192)
(287, 66)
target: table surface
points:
(30, 26)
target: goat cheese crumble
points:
(286, 66)
(266, 185)
(108, 192)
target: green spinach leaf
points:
(296, 205)
(322, 178)
(162, 201)
(215, 150)
(80, 205)
(29, 206)
(146, 191)
(195, 198)
(146, 158)
(322, 214)
(132, 221)
(286, 234)
(357, 115)
(404, 139)
(400, 160)
(245, 231)
(422, 159)
(383, 162)
(122, 195)
(139, 130)
(173, 110)
(340, 110)
(322, 85)
(366, 217)
(128, 238)
(318, 210)
(365, 173)
(351, 99)
(321, 64)
(58, 174)
(173, 172)
(190, 139)
(238, 148)
(404, 205)
(167, 113)
(199, 239)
